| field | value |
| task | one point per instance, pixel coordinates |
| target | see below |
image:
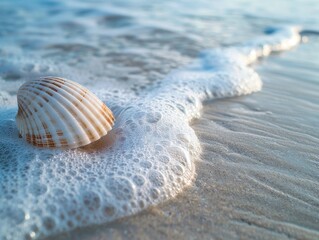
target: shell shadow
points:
(102, 144)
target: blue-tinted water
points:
(125, 52)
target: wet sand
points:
(258, 174)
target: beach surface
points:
(216, 132)
(257, 177)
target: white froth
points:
(147, 158)
(6, 99)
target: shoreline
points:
(247, 184)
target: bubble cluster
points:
(54, 190)
(6, 99)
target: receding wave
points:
(148, 158)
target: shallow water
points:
(258, 173)
(125, 57)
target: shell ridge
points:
(33, 119)
(25, 116)
(86, 110)
(21, 114)
(84, 118)
(108, 114)
(69, 128)
(39, 124)
(83, 122)
(98, 108)
(74, 86)
(46, 117)
(105, 121)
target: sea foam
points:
(148, 157)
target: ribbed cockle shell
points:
(56, 112)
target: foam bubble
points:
(147, 158)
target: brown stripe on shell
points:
(26, 108)
(45, 99)
(23, 114)
(90, 134)
(55, 79)
(107, 114)
(81, 90)
(59, 132)
(48, 135)
(63, 141)
(81, 108)
(51, 143)
(61, 115)
(54, 83)
(107, 110)
(48, 86)
(45, 127)
(82, 123)
(104, 111)
(95, 125)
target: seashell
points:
(56, 112)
